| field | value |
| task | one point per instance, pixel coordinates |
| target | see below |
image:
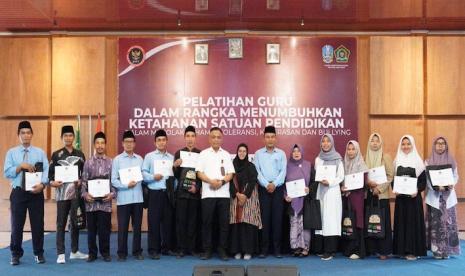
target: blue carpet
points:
(172, 266)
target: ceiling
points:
(214, 15)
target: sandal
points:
(304, 253)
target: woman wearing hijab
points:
(325, 241)
(441, 218)
(353, 163)
(298, 168)
(245, 217)
(409, 223)
(378, 195)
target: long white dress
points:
(330, 202)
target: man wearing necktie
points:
(19, 161)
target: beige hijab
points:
(374, 158)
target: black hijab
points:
(244, 170)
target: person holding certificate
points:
(409, 224)
(378, 194)
(325, 241)
(271, 167)
(98, 194)
(66, 167)
(355, 167)
(245, 217)
(215, 169)
(443, 239)
(21, 162)
(298, 170)
(126, 177)
(157, 167)
(187, 196)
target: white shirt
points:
(210, 163)
(330, 202)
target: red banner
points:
(304, 86)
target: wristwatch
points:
(223, 182)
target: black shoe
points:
(262, 255)
(91, 258)
(278, 255)
(195, 254)
(121, 258)
(155, 256)
(206, 255)
(107, 258)
(223, 255)
(14, 260)
(39, 259)
(139, 257)
(168, 253)
(180, 254)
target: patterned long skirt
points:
(300, 238)
(442, 234)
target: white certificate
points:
(405, 185)
(443, 177)
(130, 174)
(32, 179)
(98, 187)
(189, 159)
(325, 172)
(354, 181)
(66, 174)
(163, 167)
(296, 188)
(378, 175)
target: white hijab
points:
(412, 159)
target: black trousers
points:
(324, 244)
(98, 223)
(220, 207)
(64, 208)
(356, 246)
(186, 223)
(271, 208)
(160, 222)
(20, 203)
(244, 238)
(125, 213)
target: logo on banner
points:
(327, 53)
(335, 59)
(136, 55)
(342, 54)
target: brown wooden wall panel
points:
(396, 75)
(363, 90)
(82, 9)
(453, 131)
(446, 75)
(9, 138)
(392, 130)
(395, 9)
(111, 96)
(78, 75)
(25, 74)
(441, 8)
